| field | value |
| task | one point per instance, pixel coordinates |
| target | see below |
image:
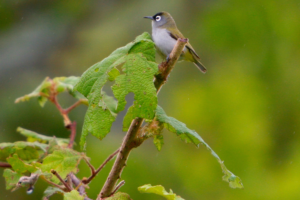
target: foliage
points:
(132, 68)
(136, 61)
(159, 190)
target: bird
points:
(165, 34)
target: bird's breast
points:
(163, 41)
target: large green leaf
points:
(62, 161)
(189, 135)
(136, 61)
(159, 190)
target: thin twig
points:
(54, 184)
(94, 173)
(73, 106)
(69, 180)
(118, 187)
(130, 141)
(61, 180)
(89, 164)
(73, 134)
(5, 165)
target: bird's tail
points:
(200, 66)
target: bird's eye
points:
(158, 18)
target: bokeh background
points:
(246, 107)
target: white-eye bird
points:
(165, 34)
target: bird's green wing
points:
(188, 45)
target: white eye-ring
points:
(158, 18)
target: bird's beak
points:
(149, 17)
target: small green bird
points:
(165, 35)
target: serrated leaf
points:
(73, 195)
(119, 196)
(11, 178)
(160, 190)
(26, 151)
(60, 84)
(136, 61)
(189, 135)
(138, 78)
(51, 191)
(19, 166)
(62, 161)
(33, 136)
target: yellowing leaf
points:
(26, 151)
(119, 196)
(73, 195)
(51, 191)
(33, 136)
(159, 190)
(60, 84)
(62, 161)
(19, 166)
(11, 178)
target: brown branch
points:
(64, 113)
(118, 187)
(73, 134)
(72, 107)
(5, 165)
(54, 184)
(53, 99)
(130, 141)
(61, 180)
(95, 172)
(79, 186)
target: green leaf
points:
(189, 135)
(62, 161)
(26, 151)
(119, 196)
(19, 166)
(160, 190)
(51, 191)
(158, 141)
(42, 88)
(11, 178)
(73, 195)
(60, 84)
(67, 84)
(138, 67)
(33, 136)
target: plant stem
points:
(95, 172)
(61, 180)
(5, 165)
(73, 134)
(72, 107)
(130, 141)
(118, 187)
(54, 184)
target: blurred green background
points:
(246, 107)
